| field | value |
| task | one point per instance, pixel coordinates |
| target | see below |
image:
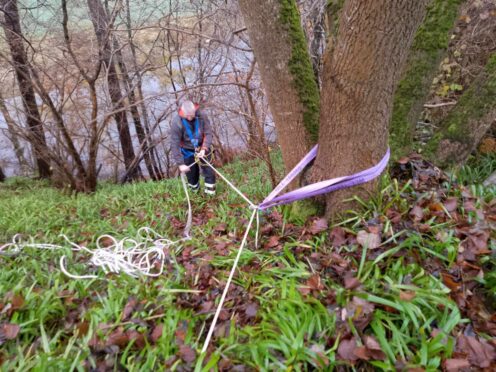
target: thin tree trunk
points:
(468, 122)
(133, 108)
(359, 80)
(280, 48)
(144, 111)
(13, 137)
(101, 24)
(13, 34)
(2, 175)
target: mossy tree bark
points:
(359, 80)
(280, 48)
(429, 47)
(466, 124)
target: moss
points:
(430, 43)
(300, 67)
(476, 102)
(299, 212)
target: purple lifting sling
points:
(320, 187)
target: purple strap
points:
(320, 187)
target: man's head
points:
(188, 110)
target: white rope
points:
(252, 205)
(226, 288)
(129, 256)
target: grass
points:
(275, 318)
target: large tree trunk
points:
(101, 23)
(359, 80)
(13, 34)
(280, 49)
(466, 124)
(429, 47)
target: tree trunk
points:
(466, 124)
(13, 137)
(2, 175)
(358, 84)
(101, 23)
(133, 108)
(280, 48)
(429, 47)
(13, 34)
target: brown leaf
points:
(17, 302)
(480, 352)
(361, 352)
(129, 308)
(338, 237)
(346, 350)
(449, 281)
(251, 310)
(368, 240)
(118, 338)
(417, 213)
(407, 295)
(451, 204)
(351, 283)
(138, 338)
(9, 331)
(82, 328)
(453, 365)
(187, 354)
(272, 242)
(374, 348)
(220, 228)
(157, 332)
(315, 283)
(106, 241)
(318, 226)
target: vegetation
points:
(388, 286)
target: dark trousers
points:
(194, 174)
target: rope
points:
(129, 256)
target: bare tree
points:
(13, 34)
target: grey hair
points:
(188, 108)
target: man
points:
(191, 134)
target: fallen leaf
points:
(318, 226)
(187, 354)
(251, 310)
(407, 295)
(315, 283)
(361, 352)
(417, 213)
(346, 350)
(9, 331)
(157, 332)
(272, 242)
(351, 283)
(129, 308)
(338, 237)
(453, 365)
(480, 352)
(451, 204)
(368, 240)
(118, 338)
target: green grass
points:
(66, 324)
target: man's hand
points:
(201, 154)
(184, 168)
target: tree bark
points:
(101, 23)
(280, 48)
(470, 119)
(13, 34)
(2, 175)
(359, 80)
(429, 47)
